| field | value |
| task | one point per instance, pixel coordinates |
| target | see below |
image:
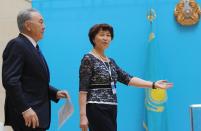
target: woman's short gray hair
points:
(23, 16)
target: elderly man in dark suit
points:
(25, 77)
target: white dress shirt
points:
(30, 39)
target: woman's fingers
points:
(163, 84)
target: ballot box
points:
(195, 117)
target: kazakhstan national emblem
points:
(187, 12)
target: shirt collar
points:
(30, 39)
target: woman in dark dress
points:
(98, 77)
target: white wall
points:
(8, 30)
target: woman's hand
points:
(163, 84)
(83, 122)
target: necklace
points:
(100, 56)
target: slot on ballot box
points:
(195, 117)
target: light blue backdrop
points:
(175, 55)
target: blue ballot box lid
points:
(195, 105)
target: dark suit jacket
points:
(25, 77)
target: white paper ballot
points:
(65, 112)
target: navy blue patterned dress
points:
(95, 79)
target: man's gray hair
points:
(23, 16)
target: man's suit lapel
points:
(43, 65)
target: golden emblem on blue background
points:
(187, 12)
